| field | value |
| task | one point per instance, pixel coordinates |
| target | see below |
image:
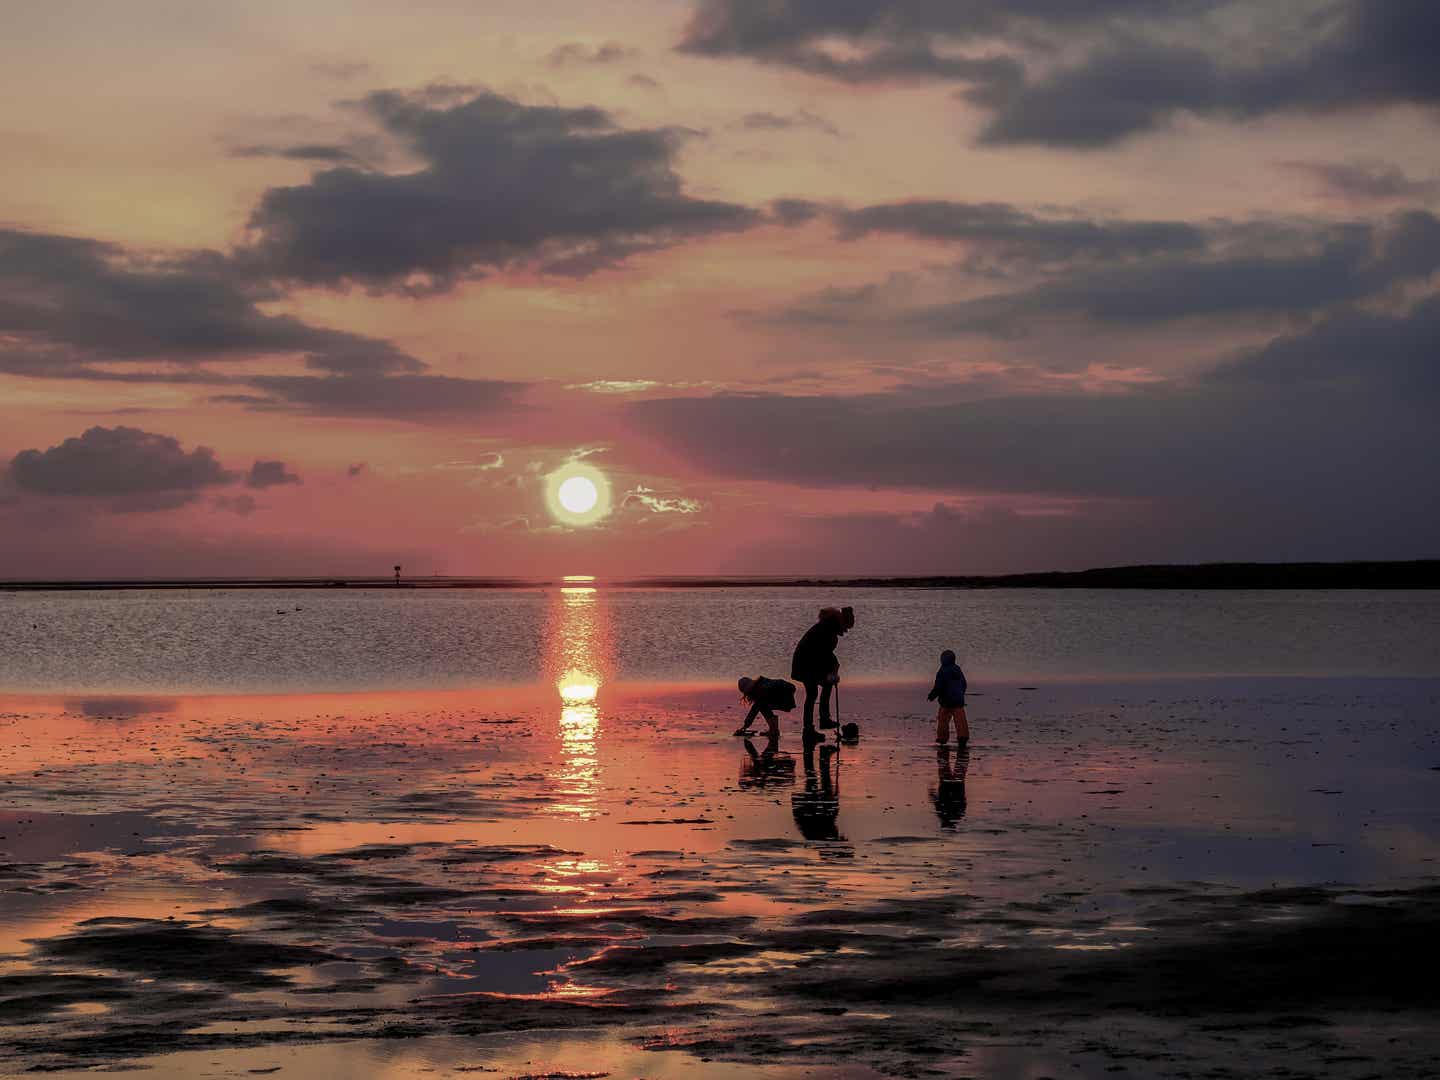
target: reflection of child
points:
(949, 691)
(765, 696)
(768, 766)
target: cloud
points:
(908, 40)
(615, 386)
(800, 119)
(1350, 350)
(1336, 415)
(264, 474)
(793, 212)
(649, 499)
(81, 308)
(120, 461)
(342, 70)
(75, 308)
(296, 152)
(574, 54)
(1364, 181)
(394, 396)
(562, 190)
(1107, 69)
(1366, 55)
(1014, 233)
(242, 505)
(1233, 470)
(1159, 272)
(487, 463)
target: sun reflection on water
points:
(576, 657)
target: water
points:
(531, 847)
(302, 640)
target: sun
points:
(577, 494)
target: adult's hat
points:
(831, 614)
(745, 685)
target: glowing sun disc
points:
(578, 495)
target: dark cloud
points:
(1351, 350)
(394, 396)
(1282, 407)
(561, 189)
(892, 39)
(1140, 64)
(74, 308)
(574, 53)
(1364, 181)
(1010, 231)
(296, 152)
(1369, 55)
(264, 474)
(643, 82)
(71, 306)
(121, 461)
(1328, 431)
(1239, 271)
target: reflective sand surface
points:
(588, 879)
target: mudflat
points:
(1174, 877)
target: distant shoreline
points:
(1416, 574)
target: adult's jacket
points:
(815, 659)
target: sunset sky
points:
(820, 286)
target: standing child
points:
(949, 690)
(764, 696)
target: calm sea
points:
(290, 640)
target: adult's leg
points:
(810, 691)
(962, 725)
(825, 702)
(942, 724)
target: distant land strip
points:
(1415, 574)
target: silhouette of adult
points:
(816, 667)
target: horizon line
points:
(1406, 573)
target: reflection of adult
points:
(817, 807)
(816, 667)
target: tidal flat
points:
(1163, 877)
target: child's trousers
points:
(942, 724)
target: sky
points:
(816, 286)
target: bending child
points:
(765, 696)
(949, 690)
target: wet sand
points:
(1212, 877)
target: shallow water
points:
(571, 869)
(242, 641)
(408, 884)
